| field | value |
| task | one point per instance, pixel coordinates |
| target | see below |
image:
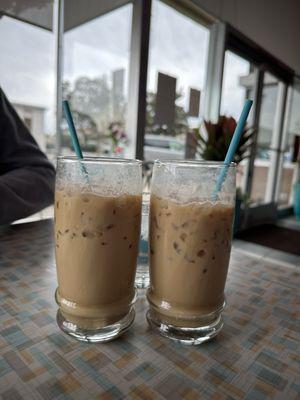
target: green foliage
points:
(213, 140)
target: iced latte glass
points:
(190, 242)
(97, 231)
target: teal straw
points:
(74, 136)
(72, 129)
(233, 146)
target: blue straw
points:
(233, 146)
(74, 136)
(72, 129)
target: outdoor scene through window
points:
(176, 81)
(238, 82)
(293, 131)
(27, 76)
(264, 138)
(96, 59)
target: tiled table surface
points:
(255, 357)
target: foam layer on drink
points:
(189, 255)
(96, 251)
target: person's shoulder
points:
(3, 98)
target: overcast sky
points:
(178, 47)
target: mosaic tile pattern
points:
(255, 357)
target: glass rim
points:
(194, 163)
(100, 160)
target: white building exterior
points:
(33, 116)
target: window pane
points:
(264, 140)
(238, 83)
(177, 64)
(96, 58)
(235, 84)
(27, 77)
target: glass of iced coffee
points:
(190, 242)
(97, 231)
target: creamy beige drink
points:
(190, 238)
(96, 250)
(189, 255)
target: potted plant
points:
(213, 140)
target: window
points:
(264, 149)
(96, 58)
(27, 77)
(176, 79)
(238, 83)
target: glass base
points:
(104, 334)
(189, 336)
(142, 279)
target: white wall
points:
(36, 116)
(38, 128)
(273, 24)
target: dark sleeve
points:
(26, 175)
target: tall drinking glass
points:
(190, 242)
(97, 231)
